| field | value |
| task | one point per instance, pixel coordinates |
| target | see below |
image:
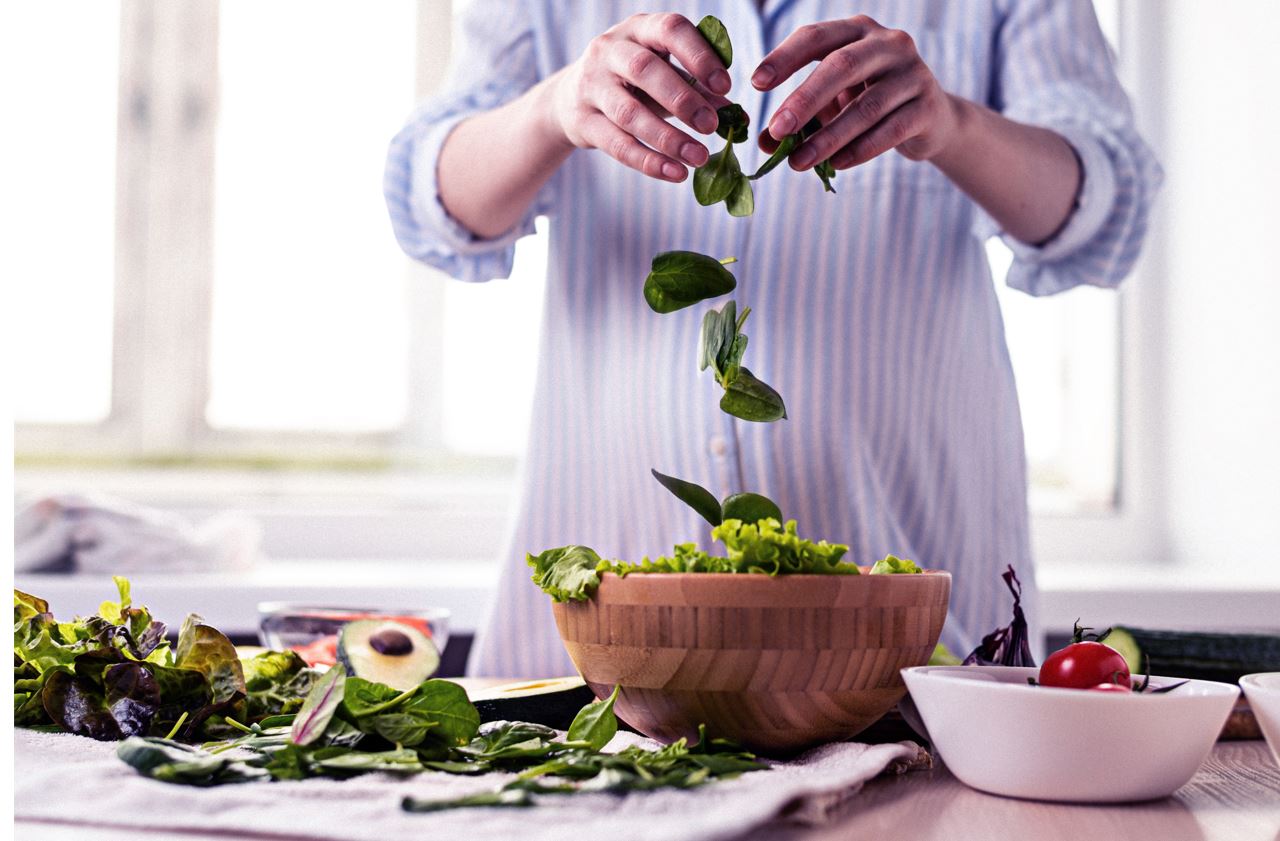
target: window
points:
(218, 291)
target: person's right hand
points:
(617, 95)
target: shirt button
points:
(718, 446)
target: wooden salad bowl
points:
(776, 664)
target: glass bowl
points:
(312, 631)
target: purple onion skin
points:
(1007, 646)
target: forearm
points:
(492, 165)
(1026, 177)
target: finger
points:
(844, 68)
(717, 101)
(897, 128)
(634, 117)
(601, 133)
(810, 42)
(868, 109)
(767, 142)
(674, 34)
(647, 71)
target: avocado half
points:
(553, 702)
(388, 652)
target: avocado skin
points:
(555, 707)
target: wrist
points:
(960, 117)
(542, 109)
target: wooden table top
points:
(1235, 796)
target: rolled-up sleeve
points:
(494, 62)
(1053, 68)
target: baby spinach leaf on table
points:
(678, 279)
(567, 573)
(749, 508)
(595, 723)
(718, 37)
(362, 698)
(174, 762)
(322, 702)
(692, 494)
(276, 682)
(752, 400)
(518, 798)
(456, 718)
(344, 762)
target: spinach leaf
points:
(276, 682)
(456, 720)
(825, 171)
(678, 279)
(692, 494)
(343, 762)
(717, 178)
(362, 698)
(785, 147)
(174, 762)
(742, 201)
(718, 37)
(732, 122)
(503, 797)
(595, 723)
(750, 508)
(567, 573)
(750, 399)
(322, 702)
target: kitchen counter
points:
(1235, 796)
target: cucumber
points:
(1199, 655)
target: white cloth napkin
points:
(74, 780)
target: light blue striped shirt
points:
(875, 314)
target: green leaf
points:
(445, 702)
(718, 37)
(717, 178)
(518, 798)
(567, 573)
(345, 761)
(207, 650)
(750, 399)
(678, 279)
(732, 122)
(173, 762)
(785, 147)
(893, 565)
(693, 495)
(711, 339)
(363, 698)
(742, 201)
(826, 172)
(322, 702)
(595, 723)
(750, 508)
(26, 605)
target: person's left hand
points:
(871, 91)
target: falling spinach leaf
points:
(692, 494)
(322, 702)
(595, 723)
(678, 279)
(750, 508)
(718, 37)
(750, 399)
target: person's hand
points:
(871, 91)
(617, 95)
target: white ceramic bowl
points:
(998, 734)
(1263, 691)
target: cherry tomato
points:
(1084, 665)
(1111, 687)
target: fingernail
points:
(719, 82)
(803, 159)
(764, 75)
(784, 123)
(693, 154)
(704, 120)
(672, 171)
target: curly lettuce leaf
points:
(771, 548)
(893, 565)
(567, 573)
